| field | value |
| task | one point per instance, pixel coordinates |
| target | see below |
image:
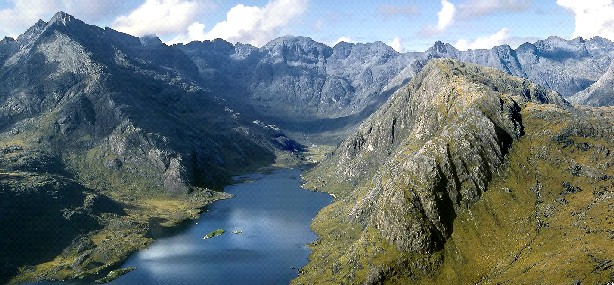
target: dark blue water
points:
(272, 212)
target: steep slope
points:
(90, 114)
(301, 85)
(321, 93)
(420, 185)
(601, 93)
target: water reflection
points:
(272, 212)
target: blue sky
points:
(410, 25)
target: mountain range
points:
(118, 136)
(322, 92)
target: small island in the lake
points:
(114, 274)
(215, 233)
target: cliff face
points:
(423, 160)
(431, 150)
(303, 86)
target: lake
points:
(272, 213)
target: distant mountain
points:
(600, 93)
(566, 66)
(322, 92)
(304, 86)
(467, 175)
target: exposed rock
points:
(600, 93)
(450, 128)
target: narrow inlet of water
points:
(266, 231)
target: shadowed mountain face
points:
(90, 114)
(301, 85)
(600, 93)
(311, 89)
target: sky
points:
(410, 25)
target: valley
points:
(446, 166)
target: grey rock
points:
(600, 93)
(431, 150)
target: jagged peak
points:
(502, 48)
(62, 18)
(382, 46)
(40, 23)
(343, 45)
(150, 40)
(297, 46)
(527, 46)
(292, 40)
(7, 40)
(555, 39)
(441, 47)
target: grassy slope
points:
(530, 227)
(521, 230)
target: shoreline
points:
(125, 235)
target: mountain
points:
(103, 134)
(320, 94)
(600, 93)
(467, 175)
(119, 137)
(567, 66)
(301, 85)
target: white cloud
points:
(21, 14)
(592, 18)
(163, 18)
(498, 38)
(445, 15)
(480, 8)
(342, 39)
(16, 19)
(249, 24)
(397, 45)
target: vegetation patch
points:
(214, 233)
(114, 274)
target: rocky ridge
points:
(91, 114)
(427, 158)
(323, 92)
